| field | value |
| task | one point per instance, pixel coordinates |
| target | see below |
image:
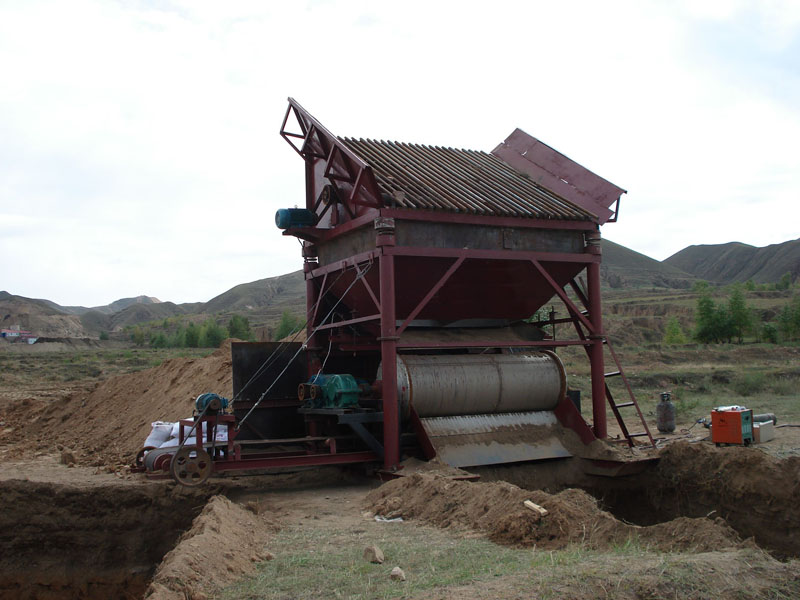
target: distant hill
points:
(737, 262)
(108, 309)
(257, 296)
(38, 316)
(264, 300)
(626, 268)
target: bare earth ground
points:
(90, 529)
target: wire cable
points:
(361, 274)
(283, 346)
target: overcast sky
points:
(139, 146)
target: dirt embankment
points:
(753, 491)
(108, 425)
(224, 543)
(497, 510)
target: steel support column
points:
(388, 340)
(596, 336)
(312, 297)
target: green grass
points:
(325, 563)
(763, 377)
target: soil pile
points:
(497, 510)
(108, 425)
(224, 543)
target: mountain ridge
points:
(735, 262)
(263, 300)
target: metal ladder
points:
(629, 437)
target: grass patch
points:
(748, 384)
(320, 563)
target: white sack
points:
(160, 433)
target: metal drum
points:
(468, 384)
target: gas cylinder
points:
(665, 414)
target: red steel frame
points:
(357, 190)
(390, 339)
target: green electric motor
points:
(330, 391)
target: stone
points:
(373, 554)
(67, 457)
(397, 574)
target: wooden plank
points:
(535, 508)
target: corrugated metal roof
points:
(465, 181)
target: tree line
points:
(732, 319)
(208, 334)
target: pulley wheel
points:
(158, 460)
(139, 462)
(191, 466)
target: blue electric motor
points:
(210, 401)
(295, 217)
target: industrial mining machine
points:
(423, 267)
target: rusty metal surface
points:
(473, 440)
(560, 174)
(463, 181)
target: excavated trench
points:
(62, 541)
(756, 494)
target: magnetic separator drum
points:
(468, 384)
(480, 409)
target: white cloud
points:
(139, 146)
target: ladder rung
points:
(641, 434)
(624, 404)
(612, 374)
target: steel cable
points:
(360, 275)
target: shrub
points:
(673, 333)
(192, 336)
(289, 325)
(748, 384)
(239, 327)
(769, 333)
(211, 334)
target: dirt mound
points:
(224, 543)
(108, 425)
(497, 510)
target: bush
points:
(239, 327)
(673, 333)
(769, 333)
(748, 384)
(289, 325)
(138, 336)
(192, 336)
(103, 335)
(211, 334)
